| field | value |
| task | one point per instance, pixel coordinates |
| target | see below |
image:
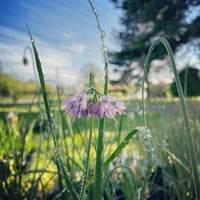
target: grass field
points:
(27, 152)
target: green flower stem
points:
(99, 161)
(87, 160)
(99, 158)
(192, 154)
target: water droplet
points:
(126, 142)
(152, 48)
(149, 136)
(96, 13)
(105, 49)
(102, 34)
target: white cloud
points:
(77, 48)
(55, 58)
(14, 34)
(51, 58)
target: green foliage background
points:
(190, 81)
(15, 89)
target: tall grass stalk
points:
(186, 81)
(87, 160)
(99, 157)
(192, 153)
(59, 163)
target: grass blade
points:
(59, 163)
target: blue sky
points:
(65, 33)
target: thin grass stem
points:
(99, 157)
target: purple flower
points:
(120, 107)
(80, 100)
(106, 100)
(96, 110)
(69, 106)
(109, 111)
(110, 107)
(84, 113)
(101, 112)
(93, 110)
(107, 106)
(79, 106)
(76, 105)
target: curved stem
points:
(25, 61)
(192, 153)
(186, 81)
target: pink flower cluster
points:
(79, 105)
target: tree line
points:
(143, 21)
(16, 89)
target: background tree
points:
(144, 21)
(190, 81)
(10, 87)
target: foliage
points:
(91, 156)
(92, 181)
(14, 88)
(124, 174)
(10, 86)
(22, 176)
(67, 187)
(143, 22)
(190, 81)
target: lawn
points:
(28, 154)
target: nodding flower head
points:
(80, 101)
(120, 107)
(76, 105)
(25, 61)
(83, 105)
(107, 105)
